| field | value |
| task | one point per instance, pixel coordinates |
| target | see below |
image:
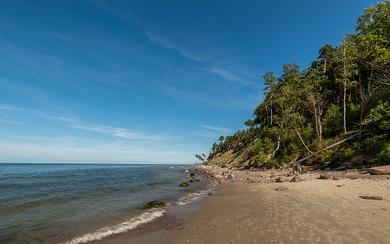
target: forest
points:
(334, 112)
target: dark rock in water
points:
(197, 179)
(297, 178)
(282, 179)
(281, 188)
(191, 181)
(192, 174)
(371, 197)
(154, 204)
(184, 184)
(324, 177)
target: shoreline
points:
(242, 211)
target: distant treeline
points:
(345, 91)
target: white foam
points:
(190, 197)
(130, 224)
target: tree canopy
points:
(346, 90)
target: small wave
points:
(190, 197)
(130, 224)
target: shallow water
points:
(46, 203)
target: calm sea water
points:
(50, 203)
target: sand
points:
(312, 211)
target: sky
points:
(146, 81)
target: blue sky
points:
(146, 81)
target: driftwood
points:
(329, 147)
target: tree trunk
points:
(299, 135)
(271, 113)
(320, 128)
(345, 92)
(277, 148)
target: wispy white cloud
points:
(220, 72)
(10, 108)
(117, 132)
(74, 123)
(216, 128)
(4, 121)
(105, 129)
(226, 75)
(170, 45)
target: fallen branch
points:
(329, 147)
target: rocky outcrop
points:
(381, 170)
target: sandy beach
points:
(311, 211)
(315, 211)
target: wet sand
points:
(312, 211)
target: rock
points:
(282, 179)
(339, 185)
(154, 204)
(191, 181)
(250, 180)
(341, 168)
(184, 184)
(281, 188)
(231, 177)
(381, 170)
(336, 178)
(324, 177)
(371, 197)
(297, 168)
(192, 174)
(297, 178)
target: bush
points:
(373, 145)
(333, 120)
(384, 154)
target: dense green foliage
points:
(346, 90)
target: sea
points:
(80, 203)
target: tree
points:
(312, 110)
(269, 82)
(201, 157)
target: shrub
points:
(384, 154)
(373, 145)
